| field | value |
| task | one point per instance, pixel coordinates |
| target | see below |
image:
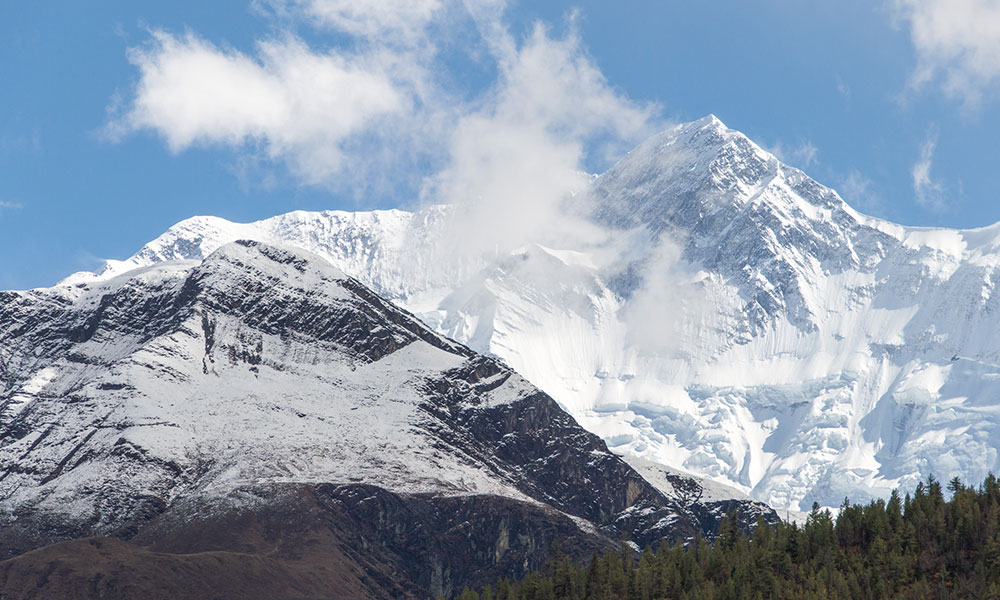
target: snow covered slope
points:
(215, 382)
(751, 327)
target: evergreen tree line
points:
(918, 546)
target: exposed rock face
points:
(263, 403)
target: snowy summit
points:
(752, 327)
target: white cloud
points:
(928, 193)
(8, 205)
(516, 164)
(858, 191)
(358, 112)
(656, 313)
(21, 143)
(957, 43)
(554, 84)
(806, 153)
(843, 89)
(295, 103)
(803, 155)
(404, 20)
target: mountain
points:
(739, 321)
(270, 427)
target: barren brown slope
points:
(116, 570)
(306, 542)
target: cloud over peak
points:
(514, 140)
(517, 161)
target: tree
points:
(915, 546)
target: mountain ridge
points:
(756, 330)
(222, 405)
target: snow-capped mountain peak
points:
(753, 327)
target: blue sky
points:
(119, 118)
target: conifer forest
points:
(919, 545)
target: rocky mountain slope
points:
(749, 325)
(260, 412)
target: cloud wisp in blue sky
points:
(957, 44)
(928, 192)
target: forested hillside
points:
(912, 546)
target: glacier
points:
(736, 319)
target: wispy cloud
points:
(858, 190)
(30, 142)
(515, 164)
(401, 21)
(350, 113)
(957, 44)
(843, 89)
(804, 154)
(928, 192)
(6, 205)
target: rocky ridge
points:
(261, 402)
